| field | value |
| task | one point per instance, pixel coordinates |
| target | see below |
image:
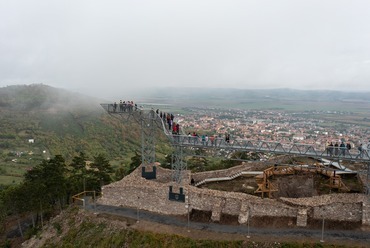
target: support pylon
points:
(147, 121)
(148, 138)
(178, 164)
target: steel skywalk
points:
(246, 145)
(295, 149)
(149, 120)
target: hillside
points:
(62, 122)
(75, 227)
(79, 228)
(58, 122)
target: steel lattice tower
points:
(148, 128)
(178, 164)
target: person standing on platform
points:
(336, 150)
(212, 139)
(360, 151)
(329, 149)
(342, 149)
(349, 147)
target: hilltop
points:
(59, 122)
(38, 122)
(36, 97)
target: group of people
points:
(206, 140)
(168, 118)
(174, 127)
(343, 149)
(338, 149)
(363, 149)
(123, 106)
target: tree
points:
(79, 162)
(120, 173)
(135, 162)
(16, 200)
(48, 180)
(3, 214)
(238, 156)
(100, 170)
(167, 161)
(197, 164)
(77, 174)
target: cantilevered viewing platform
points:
(246, 145)
(151, 120)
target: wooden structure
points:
(266, 186)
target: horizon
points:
(102, 48)
(172, 93)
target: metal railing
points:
(83, 198)
(268, 147)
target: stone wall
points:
(136, 192)
(351, 212)
(366, 213)
(153, 195)
(336, 207)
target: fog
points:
(105, 48)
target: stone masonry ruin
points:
(134, 191)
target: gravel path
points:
(299, 233)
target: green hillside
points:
(60, 123)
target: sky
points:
(104, 47)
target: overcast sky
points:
(104, 46)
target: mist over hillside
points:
(44, 97)
(40, 96)
(61, 123)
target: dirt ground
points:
(252, 240)
(302, 184)
(266, 239)
(274, 223)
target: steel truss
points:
(149, 124)
(148, 128)
(178, 164)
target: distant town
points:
(273, 126)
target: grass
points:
(14, 169)
(7, 180)
(13, 173)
